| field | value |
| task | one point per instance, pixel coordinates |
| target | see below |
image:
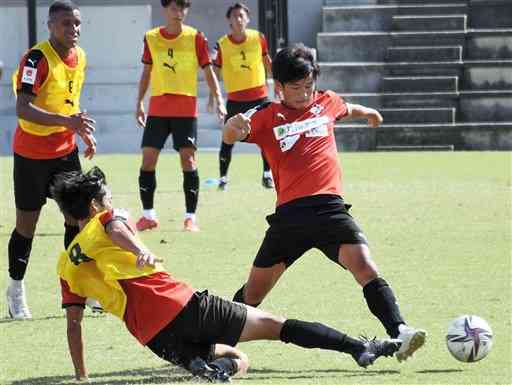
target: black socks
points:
(191, 189)
(225, 158)
(147, 187)
(19, 254)
(316, 335)
(382, 303)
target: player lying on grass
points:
(195, 330)
(296, 136)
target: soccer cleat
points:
(190, 226)
(374, 349)
(94, 305)
(412, 339)
(200, 369)
(146, 224)
(267, 182)
(223, 184)
(17, 301)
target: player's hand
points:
(374, 118)
(240, 125)
(140, 115)
(146, 257)
(81, 123)
(221, 110)
(90, 141)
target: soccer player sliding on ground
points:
(296, 136)
(195, 330)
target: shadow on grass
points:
(434, 371)
(172, 374)
(49, 318)
(162, 375)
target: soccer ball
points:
(469, 338)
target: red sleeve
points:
(146, 55)
(69, 298)
(341, 109)
(264, 45)
(217, 61)
(203, 56)
(33, 71)
(259, 118)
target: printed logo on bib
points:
(29, 75)
(291, 129)
(288, 142)
(318, 132)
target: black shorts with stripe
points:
(206, 320)
(33, 177)
(320, 221)
(233, 107)
(158, 129)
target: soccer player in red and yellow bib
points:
(172, 56)
(243, 60)
(195, 330)
(47, 83)
(296, 136)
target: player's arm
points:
(213, 85)
(74, 316)
(74, 306)
(211, 101)
(236, 129)
(145, 78)
(120, 233)
(358, 111)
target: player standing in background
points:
(48, 84)
(192, 329)
(244, 61)
(297, 138)
(172, 57)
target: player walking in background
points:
(172, 56)
(297, 138)
(192, 329)
(48, 84)
(243, 57)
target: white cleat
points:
(94, 305)
(16, 301)
(412, 339)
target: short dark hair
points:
(62, 5)
(179, 3)
(74, 191)
(294, 63)
(237, 6)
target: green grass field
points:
(439, 226)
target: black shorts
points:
(320, 221)
(33, 177)
(234, 108)
(158, 129)
(205, 321)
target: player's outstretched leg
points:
(261, 325)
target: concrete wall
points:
(304, 21)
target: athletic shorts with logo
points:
(234, 107)
(158, 129)
(33, 177)
(319, 221)
(206, 320)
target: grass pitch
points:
(439, 226)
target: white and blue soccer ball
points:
(469, 338)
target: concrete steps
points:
(424, 54)
(429, 23)
(418, 115)
(420, 84)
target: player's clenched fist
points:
(236, 128)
